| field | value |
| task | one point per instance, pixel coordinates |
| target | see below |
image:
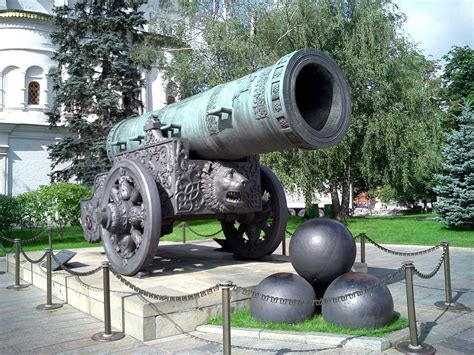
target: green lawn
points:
(403, 230)
(243, 319)
(386, 230)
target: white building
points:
(26, 93)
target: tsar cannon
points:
(198, 159)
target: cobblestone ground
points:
(23, 329)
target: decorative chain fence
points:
(158, 297)
(408, 268)
(435, 270)
(76, 273)
(32, 261)
(26, 241)
(319, 301)
(201, 234)
(399, 253)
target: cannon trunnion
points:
(198, 159)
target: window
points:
(33, 93)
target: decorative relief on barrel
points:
(212, 121)
(277, 106)
(243, 85)
(259, 102)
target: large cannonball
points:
(322, 249)
(371, 310)
(283, 285)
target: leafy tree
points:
(10, 215)
(458, 78)
(96, 85)
(456, 183)
(395, 133)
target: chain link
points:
(7, 239)
(435, 270)
(319, 301)
(207, 341)
(31, 260)
(96, 288)
(158, 297)
(25, 241)
(35, 238)
(75, 273)
(399, 253)
(203, 235)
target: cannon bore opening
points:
(318, 98)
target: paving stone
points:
(467, 334)
(8, 350)
(457, 344)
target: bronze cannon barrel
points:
(302, 101)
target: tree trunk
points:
(336, 205)
(346, 198)
(308, 199)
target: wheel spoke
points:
(267, 229)
(241, 229)
(259, 235)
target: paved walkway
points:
(23, 329)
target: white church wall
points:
(12, 87)
(26, 56)
(29, 165)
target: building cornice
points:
(26, 15)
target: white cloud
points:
(437, 25)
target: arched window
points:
(33, 93)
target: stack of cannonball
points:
(322, 252)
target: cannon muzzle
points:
(302, 101)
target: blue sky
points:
(437, 25)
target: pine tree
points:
(456, 184)
(96, 85)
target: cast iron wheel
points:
(130, 217)
(254, 235)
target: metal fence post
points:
(183, 227)
(49, 283)
(413, 346)
(108, 334)
(448, 303)
(6, 257)
(17, 286)
(225, 287)
(362, 248)
(50, 239)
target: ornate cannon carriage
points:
(198, 159)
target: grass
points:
(414, 229)
(243, 319)
(73, 236)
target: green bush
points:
(57, 204)
(10, 215)
(32, 213)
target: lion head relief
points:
(223, 187)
